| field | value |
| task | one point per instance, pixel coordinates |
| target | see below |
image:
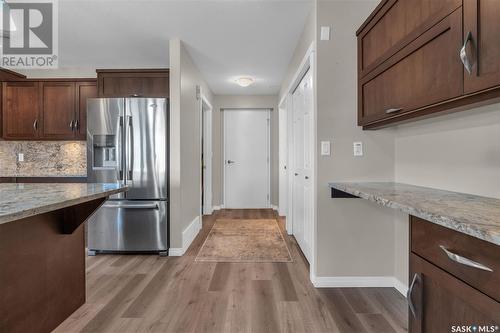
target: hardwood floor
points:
(148, 293)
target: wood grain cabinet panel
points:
(133, 82)
(441, 301)
(84, 90)
(425, 72)
(58, 109)
(395, 24)
(482, 20)
(20, 111)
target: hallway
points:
(148, 293)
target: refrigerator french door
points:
(127, 143)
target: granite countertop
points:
(473, 215)
(19, 201)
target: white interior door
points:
(302, 194)
(246, 158)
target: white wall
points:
(242, 102)
(185, 147)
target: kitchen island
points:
(454, 252)
(42, 251)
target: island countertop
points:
(473, 215)
(19, 201)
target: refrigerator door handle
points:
(119, 158)
(131, 206)
(130, 144)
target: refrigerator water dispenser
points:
(104, 152)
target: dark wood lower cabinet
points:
(443, 303)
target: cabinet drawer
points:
(395, 24)
(427, 71)
(429, 241)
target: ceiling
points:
(226, 39)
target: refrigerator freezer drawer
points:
(129, 225)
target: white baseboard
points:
(358, 282)
(274, 207)
(188, 235)
(218, 207)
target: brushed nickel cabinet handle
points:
(463, 54)
(464, 261)
(416, 278)
(76, 124)
(35, 125)
(388, 111)
(71, 125)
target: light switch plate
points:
(20, 157)
(325, 33)
(357, 148)
(325, 148)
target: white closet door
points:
(246, 153)
(302, 201)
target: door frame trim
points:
(224, 138)
(206, 191)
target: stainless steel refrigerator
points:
(127, 143)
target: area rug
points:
(245, 240)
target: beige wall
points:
(185, 148)
(306, 38)
(249, 102)
(354, 237)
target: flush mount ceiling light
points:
(244, 81)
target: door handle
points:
(119, 158)
(296, 174)
(463, 54)
(132, 206)
(130, 144)
(416, 278)
(230, 162)
(464, 261)
(306, 177)
(394, 110)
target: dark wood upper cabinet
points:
(49, 109)
(414, 58)
(58, 109)
(408, 81)
(482, 47)
(133, 82)
(20, 111)
(84, 90)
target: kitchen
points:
(383, 144)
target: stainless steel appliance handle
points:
(464, 261)
(463, 54)
(416, 278)
(130, 144)
(394, 110)
(35, 125)
(119, 158)
(132, 206)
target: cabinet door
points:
(84, 90)
(58, 110)
(136, 83)
(20, 116)
(438, 301)
(482, 20)
(426, 72)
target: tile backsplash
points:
(43, 158)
